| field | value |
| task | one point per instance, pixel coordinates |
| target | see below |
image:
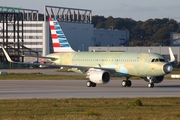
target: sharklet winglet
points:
(172, 58)
(7, 56)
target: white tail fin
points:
(59, 41)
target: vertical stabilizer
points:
(59, 41)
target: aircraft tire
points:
(93, 84)
(124, 83)
(151, 85)
(128, 82)
(89, 84)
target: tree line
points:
(152, 32)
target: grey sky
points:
(135, 9)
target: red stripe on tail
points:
(52, 28)
(50, 19)
(56, 45)
(54, 36)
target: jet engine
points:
(99, 77)
(156, 79)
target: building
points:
(164, 50)
(21, 32)
(76, 24)
(175, 39)
(110, 37)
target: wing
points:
(82, 68)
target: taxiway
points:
(27, 89)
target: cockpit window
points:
(158, 60)
(161, 60)
(152, 60)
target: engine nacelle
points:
(99, 77)
(156, 79)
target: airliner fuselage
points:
(124, 63)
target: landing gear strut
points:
(151, 84)
(126, 83)
(90, 84)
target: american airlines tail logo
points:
(59, 41)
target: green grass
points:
(39, 77)
(19, 76)
(91, 109)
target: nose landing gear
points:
(151, 84)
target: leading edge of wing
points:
(111, 70)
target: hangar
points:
(35, 35)
(164, 50)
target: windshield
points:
(158, 60)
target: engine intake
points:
(99, 77)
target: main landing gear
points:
(126, 83)
(90, 84)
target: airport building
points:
(110, 37)
(164, 50)
(175, 39)
(34, 34)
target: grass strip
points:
(88, 109)
(37, 76)
(40, 77)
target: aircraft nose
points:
(167, 68)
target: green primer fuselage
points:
(124, 63)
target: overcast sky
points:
(135, 9)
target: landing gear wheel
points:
(128, 82)
(93, 84)
(88, 83)
(151, 85)
(124, 83)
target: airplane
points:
(99, 67)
